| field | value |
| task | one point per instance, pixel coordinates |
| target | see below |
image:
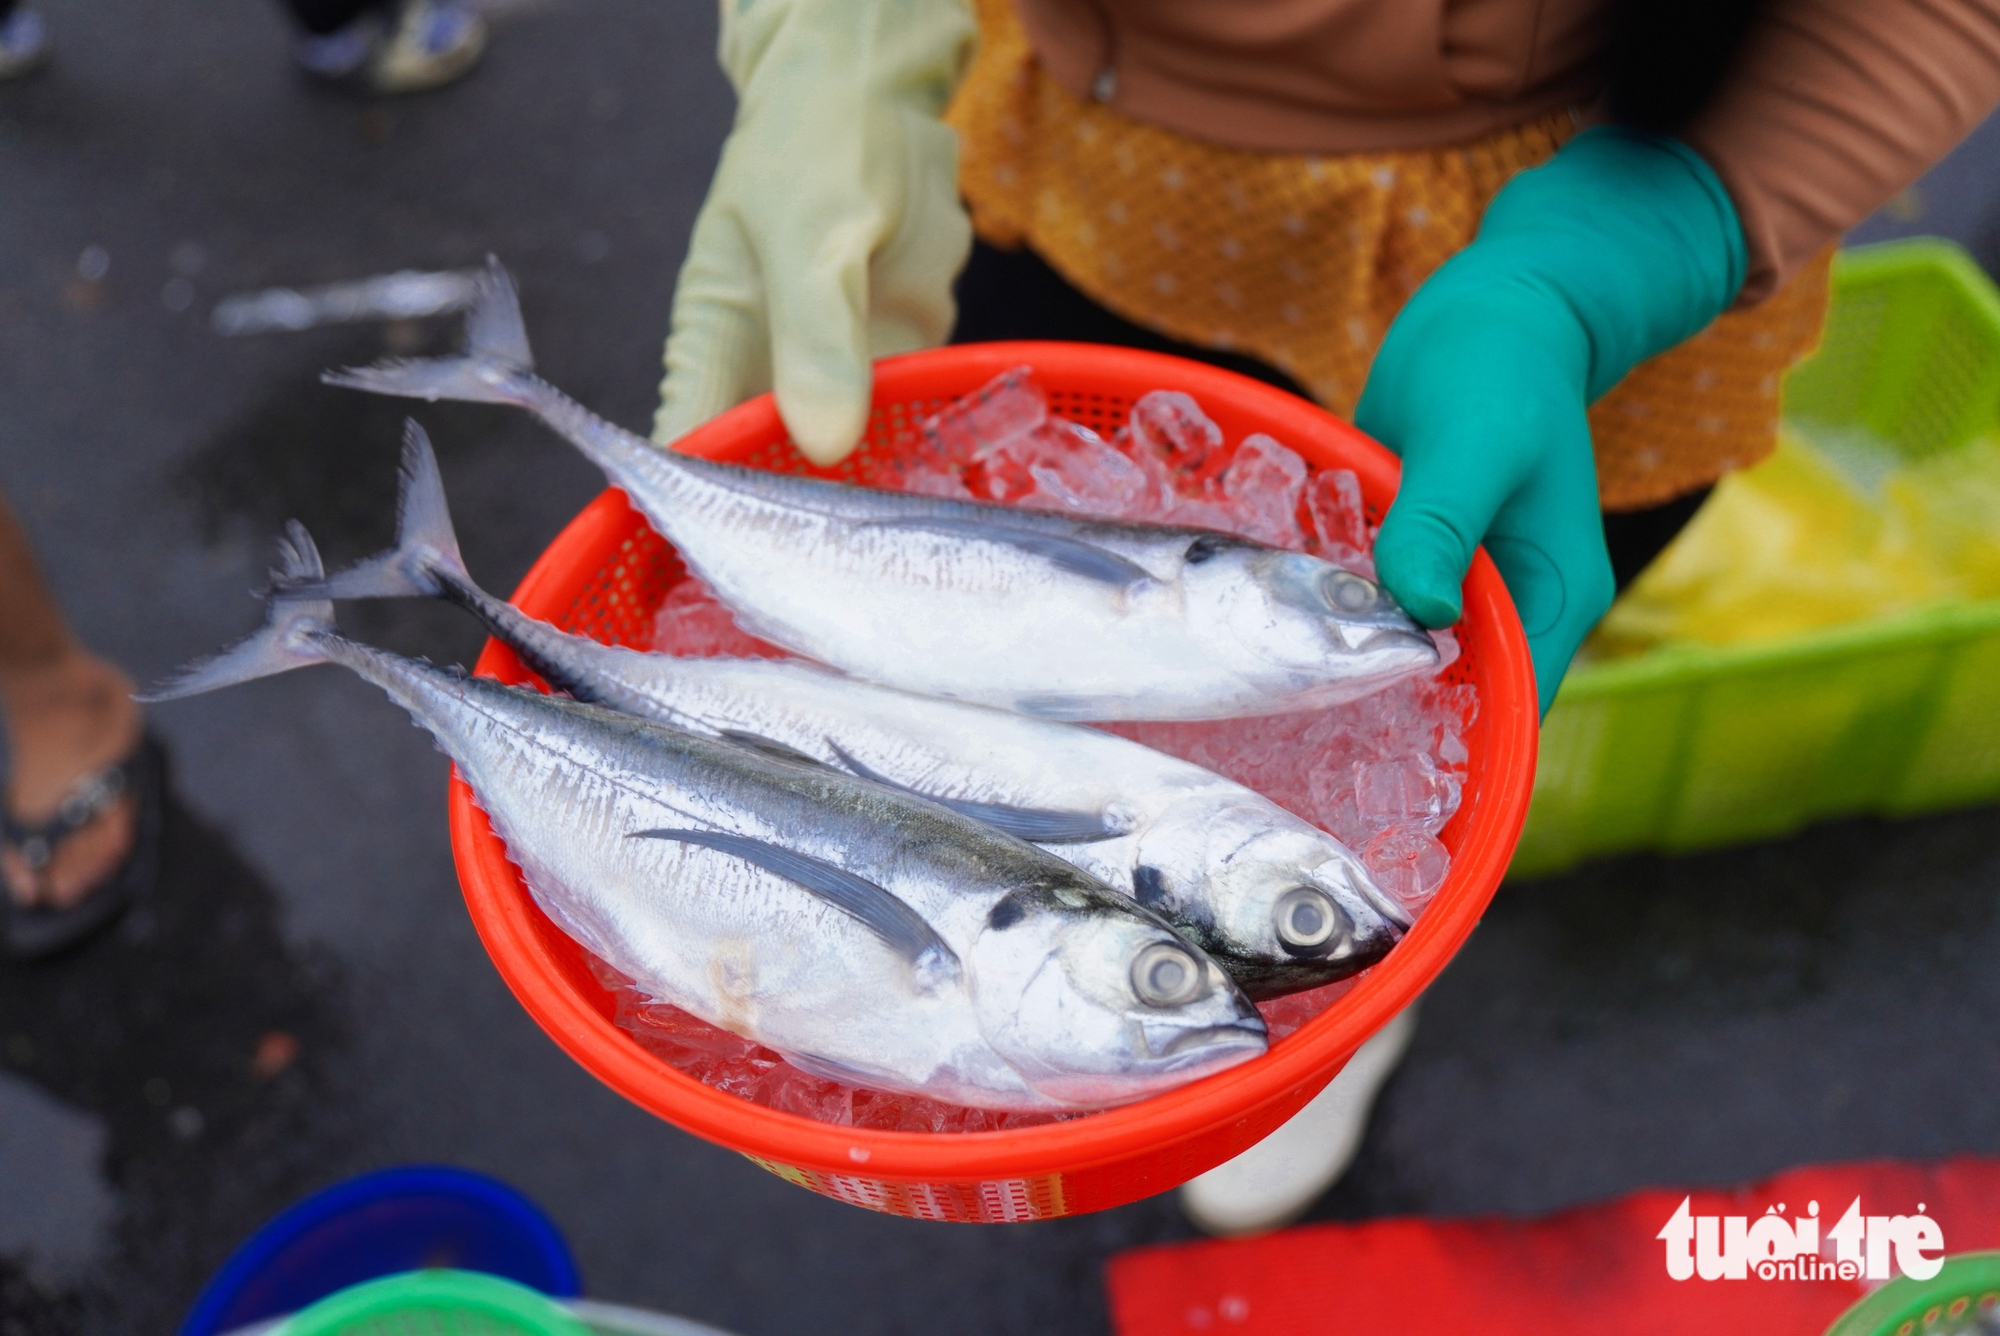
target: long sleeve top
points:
(1831, 107)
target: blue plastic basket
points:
(378, 1224)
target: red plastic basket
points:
(607, 573)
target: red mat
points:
(1600, 1270)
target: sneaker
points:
(1273, 1182)
(24, 44)
(427, 44)
(435, 42)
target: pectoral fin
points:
(1071, 554)
(899, 927)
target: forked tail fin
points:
(426, 546)
(495, 360)
(288, 639)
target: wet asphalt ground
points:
(304, 998)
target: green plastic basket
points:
(1695, 746)
(1962, 1299)
(435, 1303)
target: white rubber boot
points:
(1274, 1181)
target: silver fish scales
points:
(1279, 903)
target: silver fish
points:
(1052, 615)
(868, 935)
(1278, 903)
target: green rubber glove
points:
(1619, 247)
(832, 230)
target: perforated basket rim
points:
(1967, 1275)
(507, 920)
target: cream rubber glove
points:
(833, 229)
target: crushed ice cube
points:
(1405, 791)
(1163, 485)
(1199, 514)
(1061, 466)
(1094, 480)
(1171, 425)
(1339, 813)
(692, 622)
(1263, 484)
(925, 477)
(1334, 498)
(1009, 405)
(1451, 747)
(1408, 863)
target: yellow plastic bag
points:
(1950, 505)
(1798, 543)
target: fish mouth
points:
(1262, 977)
(1399, 919)
(1195, 1046)
(1396, 639)
(1344, 876)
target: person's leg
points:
(67, 714)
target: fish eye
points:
(1165, 975)
(1348, 592)
(1308, 918)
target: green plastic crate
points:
(1693, 747)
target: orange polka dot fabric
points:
(1302, 261)
(1684, 418)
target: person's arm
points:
(1836, 105)
(1621, 246)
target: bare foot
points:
(68, 720)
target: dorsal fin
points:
(757, 742)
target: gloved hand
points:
(833, 229)
(1619, 247)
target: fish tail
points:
(425, 561)
(496, 368)
(294, 633)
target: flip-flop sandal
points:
(35, 932)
